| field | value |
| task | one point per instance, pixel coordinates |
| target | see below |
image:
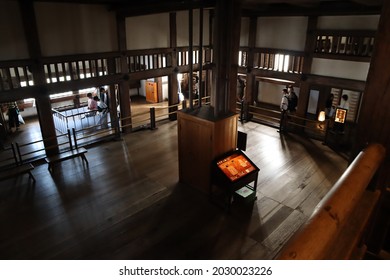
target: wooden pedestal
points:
(202, 138)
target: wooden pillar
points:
(209, 74)
(190, 56)
(251, 88)
(207, 132)
(304, 88)
(111, 67)
(123, 87)
(41, 94)
(226, 46)
(373, 123)
(159, 83)
(173, 88)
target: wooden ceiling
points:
(249, 7)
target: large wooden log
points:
(312, 241)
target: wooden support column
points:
(251, 88)
(209, 72)
(226, 46)
(373, 122)
(207, 132)
(123, 87)
(190, 55)
(173, 88)
(200, 82)
(304, 88)
(41, 94)
(111, 67)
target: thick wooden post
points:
(304, 88)
(250, 89)
(41, 93)
(373, 122)
(173, 88)
(207, 132)
(124, 89)
(226, 46)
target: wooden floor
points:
(128, 204)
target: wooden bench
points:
(78, 152)
(16, 171)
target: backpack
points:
(293, 102)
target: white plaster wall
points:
(13, 44)
(340, 69)
(75, 28)
(182, 28)
(365, 22)
(287, 33)
(271, 93)
(147, 32)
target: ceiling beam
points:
(153, 7)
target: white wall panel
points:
(182, 28)
(147, 32)
(287, 33)
(340, 69)
(72, 28)
(13, 44)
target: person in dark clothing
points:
(329, 109)
(13, 115)
(292, 100)
(103, 96)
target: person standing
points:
(329, 108)
(103, 96)
(92, 105)
(344, 103)
(292, 99)
(283, 109)
(13, 115)
(103, 110)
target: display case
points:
(236, 174)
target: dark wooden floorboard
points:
(128, 203)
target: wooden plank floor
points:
(128, 203)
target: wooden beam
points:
(145, 8)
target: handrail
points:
(315, 237)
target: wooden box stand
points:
(202, 138)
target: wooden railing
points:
(183, 55)
(78, 67)
(336, 227)
(61, 69)
(273, 59)
(15, 74)
(345, 44)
